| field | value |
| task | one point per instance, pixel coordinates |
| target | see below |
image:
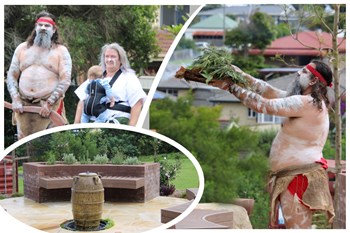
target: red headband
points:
(43, 20)
(317, 74)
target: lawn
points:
(187, 176)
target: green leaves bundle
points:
(213, 64)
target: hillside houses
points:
(300, 48)
(297, 50)
(211, 29)
(242, 12)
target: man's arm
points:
(64, 73)
(261, 87)
(12, 80)
(293, 106)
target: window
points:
(265, 119)
(251, 113)
(171, 92)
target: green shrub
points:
(50, 158)
(168, 170)
(266, 138)
(85, 161)
(69, 158)
(118, 158)
(84, 158)
(132, 161)
(101, 159)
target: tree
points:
(229, 158)
(338, 121)
(85, 144)
(211, 7)
(257, 32)
(314, 16)
(85, 29)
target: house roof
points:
(208, 33)
(215, 22)
(223, 97)
(164, 41)
(307, 43)
(247, 9)
(283, 81)
(162, 95)
(173, 83)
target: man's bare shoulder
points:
(22, 46)
(304, 98)
(61, 48)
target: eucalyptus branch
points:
(341, 42)
(280, 58)
(322, 21)
(295, 36)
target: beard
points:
(43, 38)
(295, 88)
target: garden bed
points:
(132, 183)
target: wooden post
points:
(14, 173)
(338, 122)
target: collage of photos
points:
(155, 118)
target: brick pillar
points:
(152, 181)
(31, 182)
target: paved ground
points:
(128, 217)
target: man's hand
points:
(17, 105)
(237, 69)
(45, 110)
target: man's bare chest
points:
(305, 128)
(48, 59)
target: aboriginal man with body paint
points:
(39, 75)
(298, 181)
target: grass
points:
(187, 176)
(20, 181)
(20, 184)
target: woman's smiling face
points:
(112, 60)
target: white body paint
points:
(40, 73)
(41, 70)
(301, 138)
(303, 133)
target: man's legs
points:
(296, 215)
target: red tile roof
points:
(312, 44)
(208, 33)
(164, 41)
